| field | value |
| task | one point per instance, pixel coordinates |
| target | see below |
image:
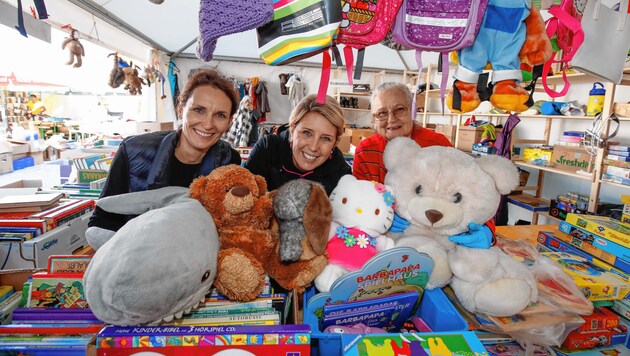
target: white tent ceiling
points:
(173, 28)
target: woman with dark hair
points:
(172, 158)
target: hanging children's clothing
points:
(238, 134)
(297, 89)
(262, 100)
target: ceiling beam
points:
(297, 64)
(179, 51)
(100, 12)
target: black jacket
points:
(144, 162)
(273, 151)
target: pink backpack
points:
(439, 26)
(364, 23)
(565, 26)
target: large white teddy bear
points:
(440, 190)
(363, 211)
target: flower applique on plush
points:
(362, 213)
(512, 32)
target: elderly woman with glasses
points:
(306, 148)
(391, 110)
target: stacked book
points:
(53, 317)
(595, 252)
(616, 167)
(571, 138)
(266, 309)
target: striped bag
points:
(300, 29)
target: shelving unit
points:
(594, 177)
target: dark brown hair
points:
(207, 77)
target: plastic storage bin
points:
(23, 162)
(435, 309)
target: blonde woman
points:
(305, 148)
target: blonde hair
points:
(331, 110)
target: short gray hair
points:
(390, 86)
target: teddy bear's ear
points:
(398, 151)
(261, 183)
(502, 171)
(197, 187)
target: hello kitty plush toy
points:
(362, 212)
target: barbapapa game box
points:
(420, 344)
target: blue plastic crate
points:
(435, 309)
(23, 162)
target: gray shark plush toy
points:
(159, 265)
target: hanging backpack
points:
(565, 26)
(438, 26)
(300, 29)
(364, 23)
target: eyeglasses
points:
(383, 115)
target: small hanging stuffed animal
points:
(116, 76)
(76, 49)
(133, 82)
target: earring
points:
(330, 157)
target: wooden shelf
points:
(614, 184)
(355, 94)
(547, 215)
(555, 170)
(529, 202)
(353, 109)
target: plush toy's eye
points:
(344, 200)
(419, 189)
(377, 211)
(205, 276)
(457, 197)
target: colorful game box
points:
(603, 226)
(57, 291)
(596, 282)
(595, 240)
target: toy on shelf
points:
(511, 32)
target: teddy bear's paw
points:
(329, 275)
(508, 95)
(239, 276)
(469, 97)
(503, 297)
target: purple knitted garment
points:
(223, 17)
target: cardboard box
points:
(446, 130)
(344, 143)
(622, 109)
(468, 135)
(24, 183)
(34, 253)
(19, 147)
(144, 127)
(572, 159)
(538, 155)
(6, 163)
(358, 135)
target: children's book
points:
(68, 263)
(389, 312)
(36, 201)
(57, 291)
(206, 340)
(401, 269)
(422, 344)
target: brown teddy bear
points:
(133, 83)
(75, 48)
(253, 238)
